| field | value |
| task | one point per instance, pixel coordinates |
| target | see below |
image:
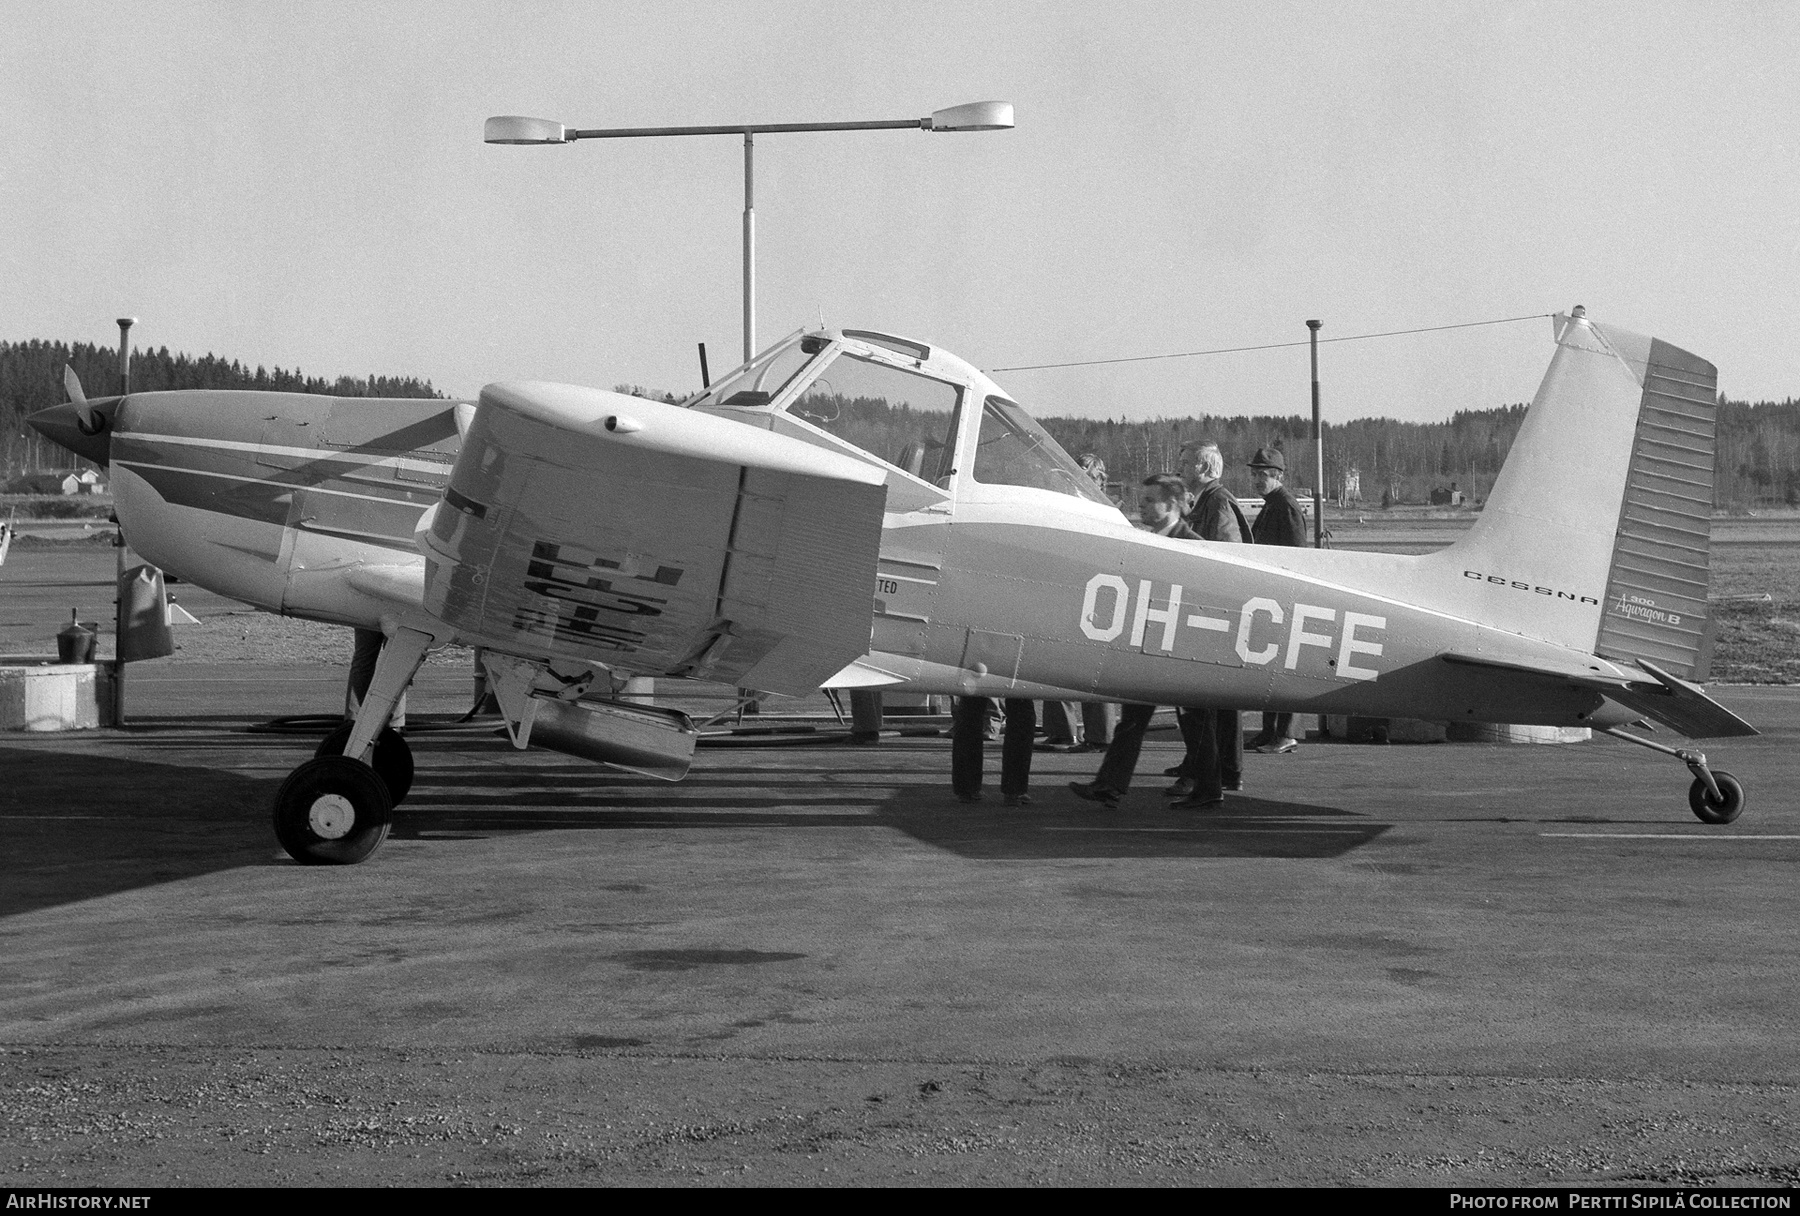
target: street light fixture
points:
(974, 116)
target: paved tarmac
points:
(1449, 964)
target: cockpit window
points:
(1015, 451)
(761, 381)
(898, 416)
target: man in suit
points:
(1280, 522)
(1160, 506)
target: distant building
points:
(85, 482)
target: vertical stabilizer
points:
(1597, 532)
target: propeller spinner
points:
(80, 425)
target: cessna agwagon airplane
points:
(853, 509)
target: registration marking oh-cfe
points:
(1260, 632)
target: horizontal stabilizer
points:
(1668, 699)
(1680, 706)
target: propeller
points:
(86, 417)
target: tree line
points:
(1756, 453)
(1370, 460)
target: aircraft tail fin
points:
(1597, 533)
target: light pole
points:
(118, 688)
(1318, 438)
(975, 116)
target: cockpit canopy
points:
(903, 404)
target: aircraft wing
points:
(1676, 703)
(582, 524)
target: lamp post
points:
(974, 116)
(1318, 438)
(118, 688)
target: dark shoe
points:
(1197, 803)
(1235, 785)
(1174, 770)
(975, 797)
(1181, 789)
(1279, 747)
(1087, 791)
(1018, 800)
(1258, 741)
(1085, 747)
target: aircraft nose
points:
(62, 424)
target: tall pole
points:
(118, 688)
(1318, 442)
(749, 246)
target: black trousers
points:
(967, 731)
(1121, 757)
(1278, 726)
(1215, 749)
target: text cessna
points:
(1259, 633)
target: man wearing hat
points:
(1280, 522)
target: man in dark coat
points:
(1215, 742)
(1280, 522)
(1163, 500)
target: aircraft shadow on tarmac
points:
(76, 826)
(486, 802)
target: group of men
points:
(1192, 505)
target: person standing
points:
(1215, 742)
(1280, 522)
(1161, 505)
(968, 734)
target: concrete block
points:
(39, 694)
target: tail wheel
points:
(1728, 806)
(392, 759)
(332, 811)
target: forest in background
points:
(1757, 457)
(1758, 452)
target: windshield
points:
(1015, 451)
(897, 416)
(761, 381)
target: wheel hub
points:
(331, 817)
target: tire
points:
(393, 758)
(332, 811)
(1710, 811)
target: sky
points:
(304, 185)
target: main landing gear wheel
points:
(393, 760)
(1728, 806)
(332, 811)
